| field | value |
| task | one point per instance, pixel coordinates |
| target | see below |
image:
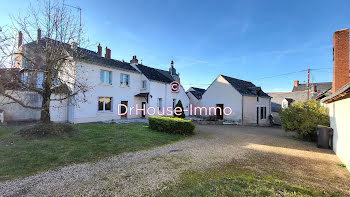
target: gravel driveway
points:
(144, 172)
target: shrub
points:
(303, 118)
(46, 130)
(182, 115)
(171, 125)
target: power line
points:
(284, 74)
(273, 76)
(279, 75)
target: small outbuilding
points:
(247, 103)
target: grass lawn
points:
(20, 157)
(234, 180)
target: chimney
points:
(296, 83)
(20, 39)
(107, 53)
(340, 59)
(74, 45)
(39, 34)
(134, 60)
(99, 50)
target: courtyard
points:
(274, 162)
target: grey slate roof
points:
(340, 94)
(112, 63)
(155, 74)
(88, 56)
(289, 100)
(198, 92)
(320, 87)
(245, 88)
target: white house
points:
(248, 103)
(112, 84)
(338, 103)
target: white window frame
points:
(160, 103)
(124, 82)
(104, 104)
(39, 80)
(144, 84)
(104, 81)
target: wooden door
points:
(143, 104)
(123, 109)
(220, 114)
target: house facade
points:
(117, 90)
(240, 101)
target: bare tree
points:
(38, 54)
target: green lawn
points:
(234, 180)
(20, 157)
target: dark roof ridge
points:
(235, 78)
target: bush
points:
(303, 118)
(171, 125)
(182, 115)
(46, 130)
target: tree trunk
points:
(45, 112)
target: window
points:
(124, 79)
(106, 77)
(104, 103)
(144, 84)
(40, 80)
(174, 103)
(262, 112)
(159, 104)
(24, 77)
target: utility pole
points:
(308, 83)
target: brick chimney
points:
(108, 53)
(134, 60)
(340, 59)
(99, 50)
(296, 83)
(39, 34)
(20, 39)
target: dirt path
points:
(143, 172)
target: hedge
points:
(171, 125)
(303, 118)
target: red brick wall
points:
(340, 59)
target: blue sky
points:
(249, 40)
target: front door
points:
(143, 104)
(123, 109)
(220, 113)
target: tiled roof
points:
(320, 87)
(245, 87)
(112, 63)
(198, 92)
(155, 74)
(89, 56)
(340, 94)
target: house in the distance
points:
(195, 96)
(338, 103)
(299, 93)
(248, 103)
